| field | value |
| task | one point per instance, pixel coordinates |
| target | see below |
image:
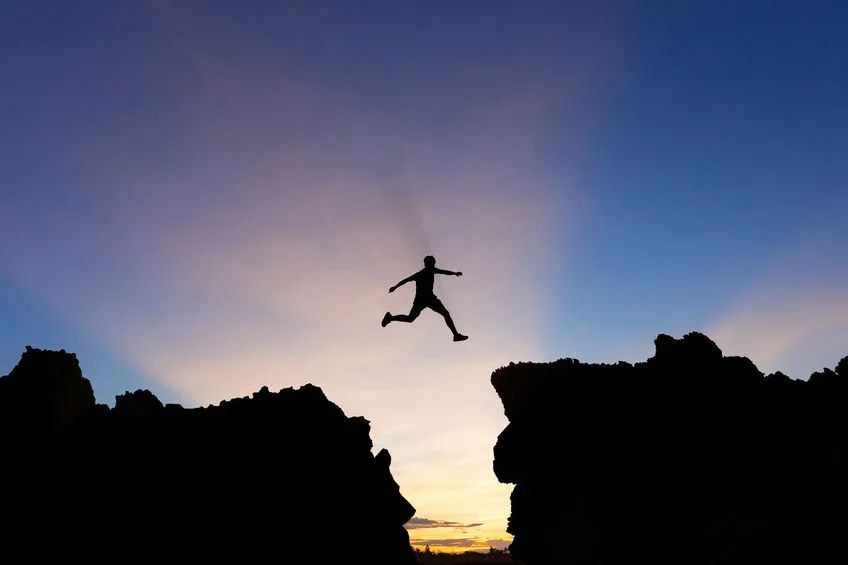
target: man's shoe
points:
(460, 337)
(386, 319)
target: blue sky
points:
(203, 198)
(717, 149)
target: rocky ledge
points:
(280, 477)
(690, 457)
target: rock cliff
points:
(688, 457)
(283, 477)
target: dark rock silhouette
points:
(284, 477)
(687, 458)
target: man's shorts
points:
(430, 302)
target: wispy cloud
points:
(416, 523)
(794, 316)
(461, 543)
(773, 331)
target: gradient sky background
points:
(202, 198)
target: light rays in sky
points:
(273, 269)
(220, 198)
(794, 316)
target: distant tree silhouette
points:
(427, 556)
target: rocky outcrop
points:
(280, 477)
(689, 458)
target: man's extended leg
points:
(437, 306)
(414, 312)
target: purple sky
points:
(204, 198)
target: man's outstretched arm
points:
(446, 272)
(410, 278)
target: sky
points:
(202, 198)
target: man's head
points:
(429, 261)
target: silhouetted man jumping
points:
(424, 297)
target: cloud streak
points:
(772, 332)
(468, 544)
(419, 523)
(793, 318)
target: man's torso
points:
(424, 284)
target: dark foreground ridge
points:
(282, 477)
(687, 458)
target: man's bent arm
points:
(410, 278)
